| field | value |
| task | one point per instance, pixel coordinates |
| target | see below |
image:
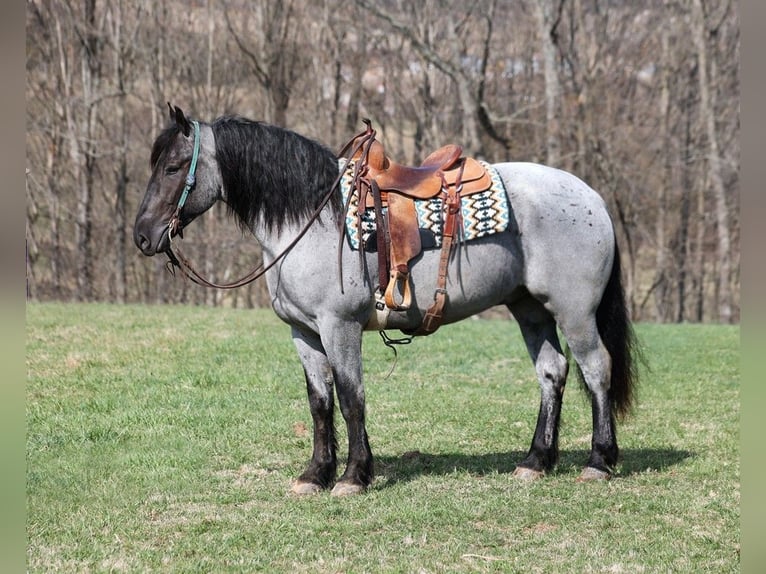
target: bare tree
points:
(82, 123)
(123, 21)
(612, 91)
(451, 57)
(268, 37)
(700, 36)
(548, 16)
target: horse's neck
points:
(319, 236)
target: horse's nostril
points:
(142, 242)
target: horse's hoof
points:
(528, 474)
(590, 474)
(303, 488)
(347, 489)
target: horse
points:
(556, 268)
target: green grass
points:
(165, 439)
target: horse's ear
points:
(178, 116)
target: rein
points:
(177, 259)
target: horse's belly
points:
(482, 273)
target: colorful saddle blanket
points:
(482, 213)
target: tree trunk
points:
(661, 266)
(83, 138)
(357, 65)
(121, 187)
(465, 94)
(698, 282)
(54, 160)
(210, 296)
(546, 21)
(31, 244)
(707, 113)
(121, 223)
(683, 244)
(66, 100)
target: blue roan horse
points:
(556, 265)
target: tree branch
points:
(260, 74)
(422, 48)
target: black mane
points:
(271, 172)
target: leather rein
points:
(177, 259)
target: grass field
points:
(165, 439)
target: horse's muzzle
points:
(151, 243)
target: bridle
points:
(174, 225)
(177, 259)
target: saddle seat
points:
(421, 182)
(424, 181)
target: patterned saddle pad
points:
(482, 213)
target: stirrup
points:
(399, 281)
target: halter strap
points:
(191, 177)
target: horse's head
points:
(185, 182)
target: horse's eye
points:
(171, 170)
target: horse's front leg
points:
(320, 473)
(343, 344)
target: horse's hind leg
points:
(595, 365)
(539, 331)
(320, 473)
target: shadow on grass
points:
(411, 465)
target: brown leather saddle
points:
(381, 182)
(425, 181)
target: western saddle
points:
(381, 182)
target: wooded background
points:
(639, 99)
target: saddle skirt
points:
(483, 213)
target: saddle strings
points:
(391, 344)
(365, 137)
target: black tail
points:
(619, 339)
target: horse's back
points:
(566, 234)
